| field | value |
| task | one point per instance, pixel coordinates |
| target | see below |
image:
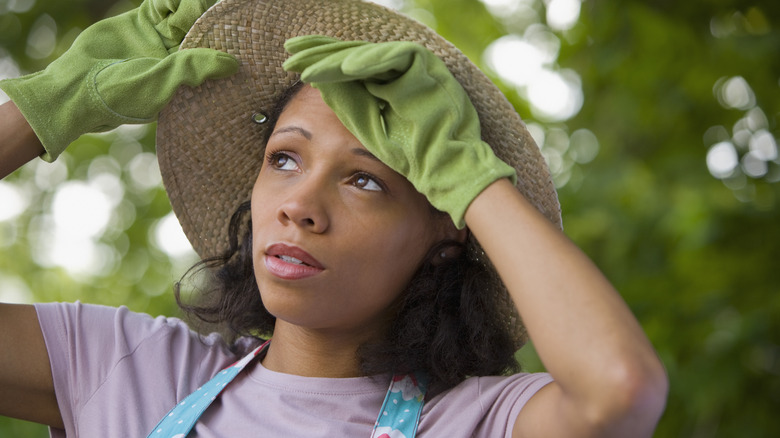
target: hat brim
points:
(210, 150)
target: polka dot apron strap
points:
(398, 417)
(180, 420)
(401, 410)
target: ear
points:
(457, 235)
(449, 233)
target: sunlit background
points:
(659, 121)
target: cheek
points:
(399, 251)
(260, 212)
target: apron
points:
(398, 417)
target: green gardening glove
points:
(120, 70)
(401, 101)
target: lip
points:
(288, 270)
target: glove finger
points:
(321, 63)
(363, 115)
(383, 61)
(140, 88)
(194, 66)
(155, 11)
(182, 19)
(300, 43)
(172, 19)
(343, 61)
(327, 69)
(423, 83)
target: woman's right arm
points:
(18, 142)
(50, 109)
(123, 69)
(26, 386)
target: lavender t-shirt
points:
(117, 373)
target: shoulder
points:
(101, 354)
(117, 324)
(481, 406)
(488, 391)
(95, 334)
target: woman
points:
(363, 254)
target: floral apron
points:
(398, 417)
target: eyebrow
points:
(308, 135)
(364, 153)
(294, 129)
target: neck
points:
(313, 353)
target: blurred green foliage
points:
(696, 256)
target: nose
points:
(305, 206)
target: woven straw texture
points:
(210, 151)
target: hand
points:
(123, 69)
(401, 101)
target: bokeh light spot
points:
(12, 201)
(42, 38)
(14, 290)
(563, 14)
(49, 176)
(584, 146)
(722, 159)
(753, 165)
(17, 6)
(144, 171)
(735, 93)
(169, 237)
(515, 60)
(556, 96)
(80, 210)
(763, 145)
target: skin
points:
(19, 143)
(26, 387)
(608, 379)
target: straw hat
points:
(210, 150)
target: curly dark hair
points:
(448, 321)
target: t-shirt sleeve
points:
(110, 362)
(508, 400)
(481, 406)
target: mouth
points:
(292, 254)
(290, 262)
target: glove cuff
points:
(452, 190)
(58, 109)
(30, 95)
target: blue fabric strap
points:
(181, 419)
(398, 417)
(401, 410)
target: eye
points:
(367, 182)
(281, 161)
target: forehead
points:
(307, 115)
(309, 118)
(307, 101)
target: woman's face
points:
(337, 235)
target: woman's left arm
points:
(609, 382)
(420, 121)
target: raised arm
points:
(123, 69)
(404, 105)
(26, 387)
(120, 70)
(18, 142)
(609, 381)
